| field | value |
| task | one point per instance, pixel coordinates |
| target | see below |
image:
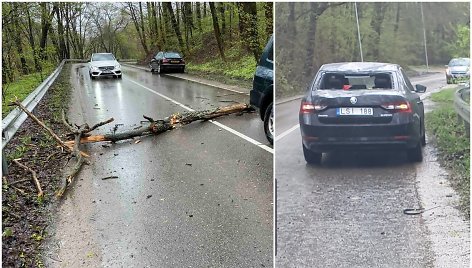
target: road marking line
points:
(260, 145)
(286, 132)
(207, 84)
(190, 79)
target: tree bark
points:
(216, 29)
(248, 28)
(269, 16)
(168, 6)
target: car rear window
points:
(348, 81)
(172, 55)
(102, 57)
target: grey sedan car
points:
(362, 106)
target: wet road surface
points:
(197, 196)
(348, 212)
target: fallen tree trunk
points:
(159, 126)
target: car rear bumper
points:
(172, 66)
(334, 138)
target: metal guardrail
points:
(12, 122)
(462, 106)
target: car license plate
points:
(174, 61)
(355, 111)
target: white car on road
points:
(104, 64)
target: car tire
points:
(120, 76)
(415, 154)
(182, 70)
(423, 137)
(269, 123)
(311, 157)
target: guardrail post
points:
(4, 164)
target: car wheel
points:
(423, 137)
(311, 157)
(182, 70)
(120, 76)
(269, 123)
(415, 154)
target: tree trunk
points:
(168, 6)
(139, 25)
(46, 16)
(60, 31)
(376, 24)
(248, 27)
(17, 39)
(221, 8)
(199, 16)
(268, 12)
(216, 29)
(31, 41)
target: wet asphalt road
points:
(197, 196)
(348, 212)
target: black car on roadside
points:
(362, 106)
(262, 93)
(167, 61)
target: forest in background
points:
(37, 36)
(309, 35)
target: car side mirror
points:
(420, 88)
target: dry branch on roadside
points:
(34, 176)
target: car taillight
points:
(403, 107)
(165, 61)
(308, 107)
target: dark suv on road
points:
(360, 106)
(262, 93)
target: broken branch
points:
(33, 173)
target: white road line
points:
(191, 80)
(207, 84)
(286, 132)
(260, 145)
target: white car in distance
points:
(104, 64)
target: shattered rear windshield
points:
(348, 81)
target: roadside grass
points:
(25, 215)
(236, 66)
(21, 88)
(453, 144)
